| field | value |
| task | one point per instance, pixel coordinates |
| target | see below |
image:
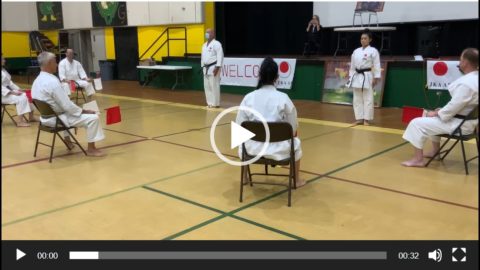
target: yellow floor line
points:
(301, 120)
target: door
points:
(79, 41)
(98, 47)
(126, 52)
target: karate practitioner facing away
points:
(48, 88)
(364, 75)
(274, 106)
(70, 69)
(11, 94)
(212, 59)
(464, 92)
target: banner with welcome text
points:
(441, 73)
(244, 72)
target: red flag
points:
(72, 86)
(113, 115)
(28, 93)
(410, 113)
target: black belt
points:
(207, 66)
(361, 71)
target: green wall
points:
(404, 84)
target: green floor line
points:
(106, 195)
(193, 228)
(281, 192)
(223, 214)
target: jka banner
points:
(441, 73)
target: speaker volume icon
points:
(435, 255)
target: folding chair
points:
(459, 137)
(47, 112)
(78, 90)
(5, 110)
(279, 131)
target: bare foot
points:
(95, 153)
(34, 119)
(23, 124)
(357, 123)
(413, 163)
(366, 123)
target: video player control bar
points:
(228, 255)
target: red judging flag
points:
(410, 113)
(28, 93)
(72, 86)
(113, 115)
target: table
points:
(156, 72)
(381, 29)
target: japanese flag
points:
(441, 73)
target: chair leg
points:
(242, 169)
(36, 143)
(464, 157)
(449, 150)
(249, 175)
(294, 175)
(53, 146)
(290, 179)
(83, 96)
(438, 153)
(10, 116)
(64, 142)
(76, 142)
(3, 112)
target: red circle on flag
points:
(440, 68)
(284, 67)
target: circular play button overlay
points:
(239, 135)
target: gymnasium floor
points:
(161, 180)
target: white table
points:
(155, 71)
(380, 29)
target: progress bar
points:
(228, 255)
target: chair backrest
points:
(279, 131)
(45, 110)
(473, 115)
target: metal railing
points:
(167, 41)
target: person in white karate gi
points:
(12, 94)
(364, 75)
(70, 69)
(464, 92)
(212, 59)
(48, 88)
(274, 106)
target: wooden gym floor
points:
(161, 179)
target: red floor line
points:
(346, 180)
(186, 131)
(402, 192)
(126, 133)
(67, 154)
(191, 147)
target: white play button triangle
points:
(20, 254)
(239, 135)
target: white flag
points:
(441, 73)
(98, 84)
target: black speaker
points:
(428, 41)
